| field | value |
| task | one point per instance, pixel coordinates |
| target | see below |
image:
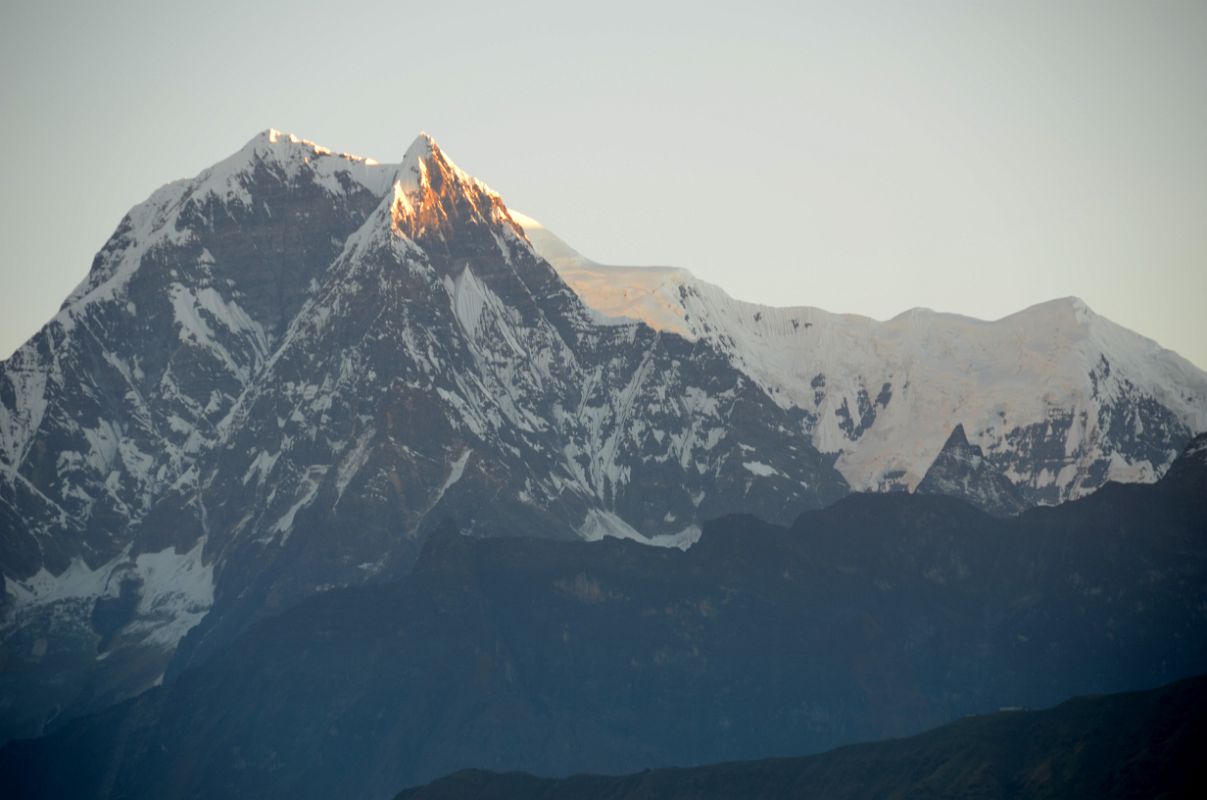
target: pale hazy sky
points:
(861, 157)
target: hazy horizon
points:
(862, 159)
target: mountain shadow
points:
(880, 616)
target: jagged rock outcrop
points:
(961, 470)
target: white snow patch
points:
(760, 469)
(308, 489)
(456, 470)
(260, 467)
(353, 461)
(599, 524)
(176, 590)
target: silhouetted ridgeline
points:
(880, 616)
(1142, 744)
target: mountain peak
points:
(1072, 303)
(276, 145)
(957, 438)
(277, 141)
(425, 139)
(1060, 310)
(423, 147)
(430, 190)
(273, 136)
(426, 165)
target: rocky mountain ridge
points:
(281, 374)
(1114, 746)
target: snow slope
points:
(1059, 398)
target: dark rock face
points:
(1132, 426)
(444, 370)
(1142, 744)
(879, 616)
(961, 470)
(113, 402)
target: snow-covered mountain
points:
(281, 374)
(112, 403)
(1059, 399)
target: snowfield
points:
(886, 395)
